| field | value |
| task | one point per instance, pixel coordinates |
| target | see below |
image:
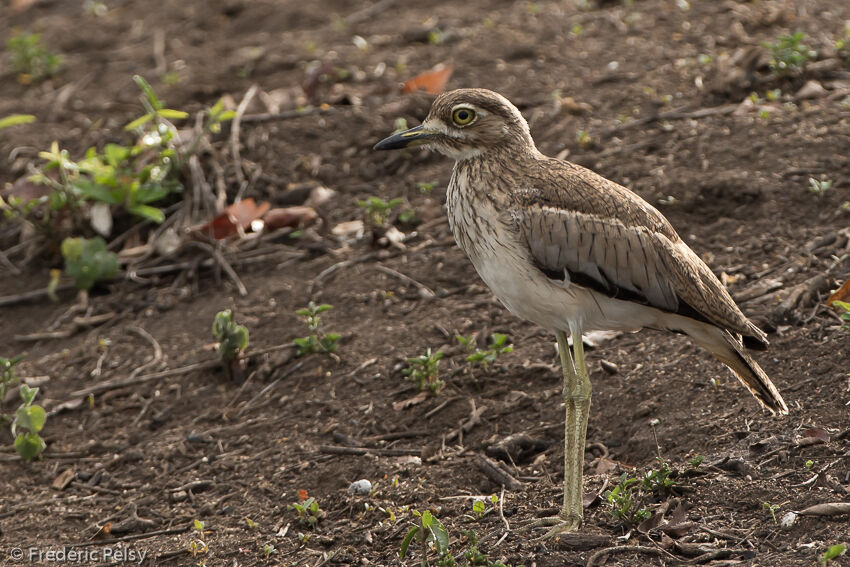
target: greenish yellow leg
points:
(577, 390)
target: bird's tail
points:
(729, 350)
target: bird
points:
(563, 247)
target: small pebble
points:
(609, 367)
(788, 520)
(360, 487)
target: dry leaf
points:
(237, 216)
(650, 523)
(817, 432)
(432, 82)
(62, 481)
(410, 402)
(289, 216)
(843, 294)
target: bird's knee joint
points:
(577, 395)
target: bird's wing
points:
(621, 247)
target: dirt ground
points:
(654, 94)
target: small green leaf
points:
(834, 551)
(29, 445)
(198, 525)
(30, 418)
(441, 537)
(405, 543)
(148, 212)
(148, 90)
(27, 394)
(171, 114)
(15, 120)
(140, 121)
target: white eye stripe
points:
(466, 106)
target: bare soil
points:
(661, 90)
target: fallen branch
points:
(497, 474)
(424, 290)
(827, 509)
(336, 450)
(170, 531)
(234, 131)
(157, 349)
(622, 549)
(77, 323)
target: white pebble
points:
(360, 487)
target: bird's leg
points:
(576, 394)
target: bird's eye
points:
(463, 116)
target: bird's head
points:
(466, 123)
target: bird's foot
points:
(558, 525)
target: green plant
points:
(429, 532)
(30, 59)
(788, 54)
(132, 177)
(819, 187)
(30, 418)
(377, 211)
(845, 315)
(409, 217)
(8, 380)
(696, 461)
(318, 341)
(15, 120)
(842, 46)
(583, 138)
(308, 511)
(198, 546)
(233, 338)
(809, 464)
(425, 186)
(269, 550)
(772, 508)
(832, 552)
(485, 357)
(658, 480)
(88, 261)
(479, 507)
(423, 371)
(625, 501)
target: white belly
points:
(555, 305)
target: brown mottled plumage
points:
(572, 251)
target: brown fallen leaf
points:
(650, 523)
(843, 294)
(235, 217)
(432, 82)
(289, 216)
(410, 402)
(817, 433)
(62, 481)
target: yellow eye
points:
(463, 116)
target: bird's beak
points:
(409, 138)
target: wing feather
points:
(603, 236)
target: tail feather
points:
(729, 349)
(750, 374)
